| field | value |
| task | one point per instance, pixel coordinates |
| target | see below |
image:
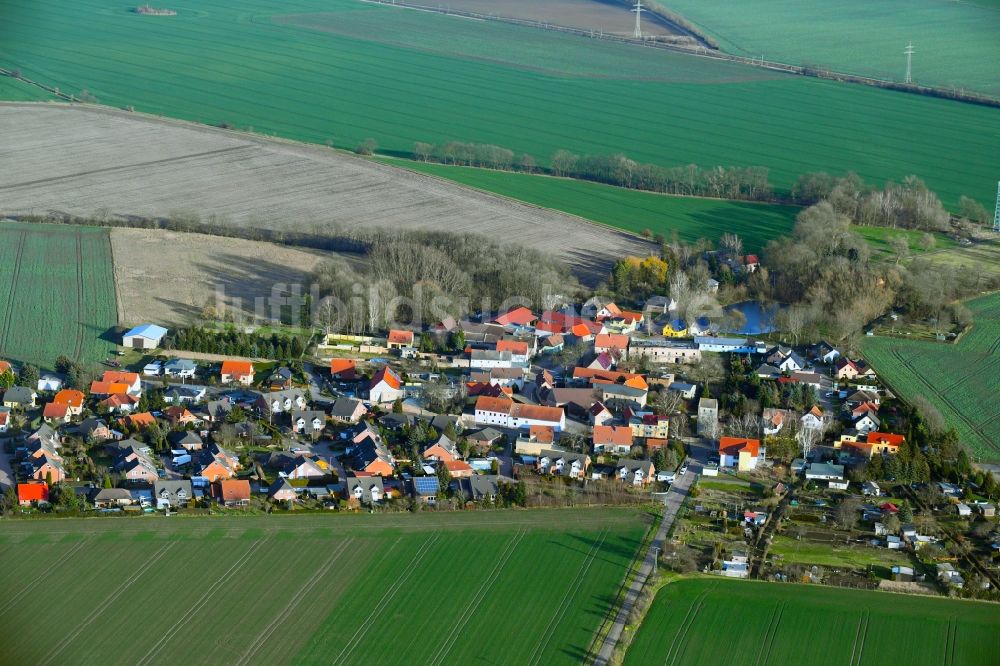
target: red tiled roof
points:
(117, 376)
(237, 368)
(70, 397)
(457, 466)
(615, 435)
(550, 327)
(340, 365)
(518, 347)
(388, 375)
(55, 410)
(4, 367)
(611, 341)
(536, 412)
(543, 434)
(142, 419)
(234, 489)
(488, 404)
(733, 446)
(108, 388)
(516, 317)
(32, 492)
(885, 438)
(400, 337)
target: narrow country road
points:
(675, 497)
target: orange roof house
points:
(55, 411)
(740, 452)
(612, 439)
(179, 415)
(129, 378)
(108, 388)
(877, 442)
(32, 492)
(515, 347)
(120, 401)
(343, 368)
(237, 371)
(493, 405)
(69, 397)
(140, 420)
(234, 492)
(458, 468)
(398, 338)
(609, 341)
(385, 385)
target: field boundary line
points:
(200, 603)
(294, 601)
(94, 614)
(567, 597)
(362, 630)
(682, 647)
(9, 310)
(37, 579)
(477, 599)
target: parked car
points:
(683, 470)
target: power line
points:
(638, 9)
(996, 212)
(908, 52)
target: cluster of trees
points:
(749, 183)
(906, 205)
(639, 277)
(234, 343)
(484, 155)
(425, 277)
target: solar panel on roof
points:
(426, 484)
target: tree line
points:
(232, 342)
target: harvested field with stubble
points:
(512, 587)
(90, 161)
(169, 277)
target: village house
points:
(363, 489)
(343, 369)
(32, 494)
(277, 402)
(73, 400)
(180, 367)
(824, 352)
(708, 417)
(479, 488)
(280, 379)
(516, 318)
(458, 469)
(49, 382)
(308, 422)
(537, 439)
(371, 455)
(185, 394)
(217, 463)
(104, 498)
(179, 416)
(814, 419)
(563, 463)
(776, 419)
(54, 412)
(647, 425)
(612, 439)
(19, 397)
(443, 450)
(385, 386)
(237, 372)
(740, 452)
(233, 492)
(612, 344)
(115, 379)
(187, 440)
(281, 490)
(600, 414)
(635, 472)
(509, 414)
(347, 410)
(399, 340)
(729, 345)
(620, 396)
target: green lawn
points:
(956, 42)
(719, 621)
(358, 70)
(58, 292)
(392, 588)
(690, 217)
(878, 238)
(833, 555)
(957, 378)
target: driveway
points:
(6, 471)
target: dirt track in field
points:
(94, 161)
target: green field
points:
(342, 70)
(957, 378)
(14, 90)
(691, 217)
(59, 293)
(878, 238)
(720, 621)
(956, 42)
(432, 588)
